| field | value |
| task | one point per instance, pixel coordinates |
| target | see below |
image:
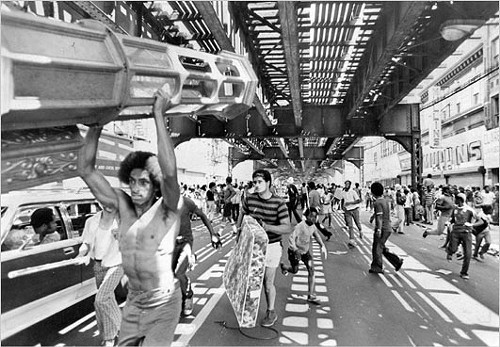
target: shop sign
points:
(435, 129)
(459, 152)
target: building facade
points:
(459, 122)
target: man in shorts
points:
(272, 214)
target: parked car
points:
(40, 280)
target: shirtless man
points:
(149, 221)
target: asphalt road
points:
(425, 303)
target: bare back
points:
(147, 244)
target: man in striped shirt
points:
(272, 214)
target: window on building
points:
(476, 98)
(494, 52)
(458, 108)
(494, 105)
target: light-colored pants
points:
(211, 210)
(150, 318)
(107, 311)
(349, 216)
(429, 213)
(441, 226)
(399, 223)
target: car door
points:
(36, 281)
(77, 214)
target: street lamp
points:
(456, 29)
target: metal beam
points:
(429, 52)
(96, 13)
(288, 20)
(213, 23)
(395, 26)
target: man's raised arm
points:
(95, 180)
(166, 155)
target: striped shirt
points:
(272, 211)
(429, 198)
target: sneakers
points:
(460, 256)
(399, 265)
(464, 276)
(425, 234)
(284, 271)
(375, 271)
(313, 299)
(270, 318)
(188, 307)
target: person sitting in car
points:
(44, 224)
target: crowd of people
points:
(145, 233)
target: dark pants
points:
(465, 239)
(180, 274)
(236, 211)
(379, 250)
(303, 201)
(323, 230)
(294, 258)
(485, 234)
(292, 209)
(408, 217)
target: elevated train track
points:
(327, 74)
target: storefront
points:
(460, 161)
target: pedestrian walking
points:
(481, 231)
(383, 229)
(183, 250)
(293, 201)
(272, 214)
(351, 202)
(315, 201)
(408, 206)
(211, 208)
(299, 248)
(461, 232)
(326, 207)
(399, 210)
(100, 243)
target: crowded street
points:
(425, 303)
(250, 173)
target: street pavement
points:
(425, 303)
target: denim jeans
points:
(464, 238)
(150, 318)
(379, 250)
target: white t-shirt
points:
(350, 196)
(300, 238)
(488, 198)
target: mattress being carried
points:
(244, 272)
